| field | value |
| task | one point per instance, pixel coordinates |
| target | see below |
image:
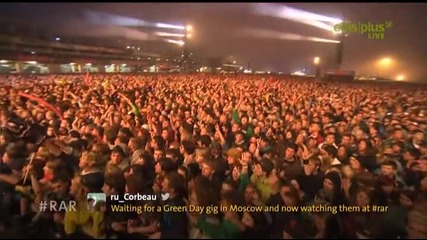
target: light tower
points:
(316, 62)
(187, 37)
(340, 50)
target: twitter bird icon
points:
(165, 196)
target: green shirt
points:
(220, 230)
(244, 180)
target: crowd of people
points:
(212, 140)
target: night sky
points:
(218, 26)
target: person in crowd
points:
(265, 179)
(174, 225)
(256, 223)
(331, 193)
(118, 158)
(292, 164)
(416, 222)
(289, 224)
(88, 163)
(362, 224)
(80, 221)
(343, 154)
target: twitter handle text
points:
(134, 197)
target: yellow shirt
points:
(264, 187)
(89, 221)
